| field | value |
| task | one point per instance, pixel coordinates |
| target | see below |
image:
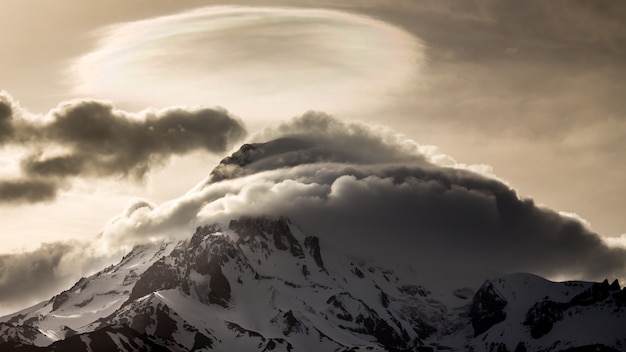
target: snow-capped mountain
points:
(262, 284)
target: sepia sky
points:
(105, 103)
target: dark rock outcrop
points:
(276, 229)
(19, 334)
(487, 308)
(159, 276)
(219, 285)
(542, 316)
(59, 300)
(109, 338)
(312, 243)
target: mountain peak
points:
(261, 283)
(255, 157)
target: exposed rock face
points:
(290, 324)
(542, 316)
(261, 284)
(18, 333)
(487, 308)
(359, 317)
(110, 338)
(59, 300)
(159, 276)
(259, 156)
(276, 230)
(312, 243)
(596, 293)
(414, 290)
(219, 286)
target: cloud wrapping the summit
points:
(380, 198)
(90, 138)
(369, 193)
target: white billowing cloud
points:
(255, 60)
(617, 241)
(380, 198)
(576, 217)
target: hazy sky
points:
(531, 92)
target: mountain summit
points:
(262, 284)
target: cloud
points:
(28, 277)
(105, 141)
(617, 241)
(525, 114)
(27, 191)
(317, 137)
(90, 138)
(375, 196)
(247, 45)
(6, 113)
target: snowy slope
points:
(540, 314)
(90, 299)
(260, 284)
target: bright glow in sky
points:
(261, 63)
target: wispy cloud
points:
(261, 62)
(29, 277)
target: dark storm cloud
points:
(479, 30)
(104, 141)
(446, 222)
(534, 88)
(6, 113)
(88, 138)
(29, 276)
(27, 190)
(531, 69)
(24, 273)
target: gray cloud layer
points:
(97, 140)
(6, 112)
(28, 190)
(373, 196)
(534, 88)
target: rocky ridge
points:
(261, 284)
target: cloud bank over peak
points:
(316, 137)
(375, 195)
(91, 138)
(368, 192)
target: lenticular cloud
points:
(251, 59)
